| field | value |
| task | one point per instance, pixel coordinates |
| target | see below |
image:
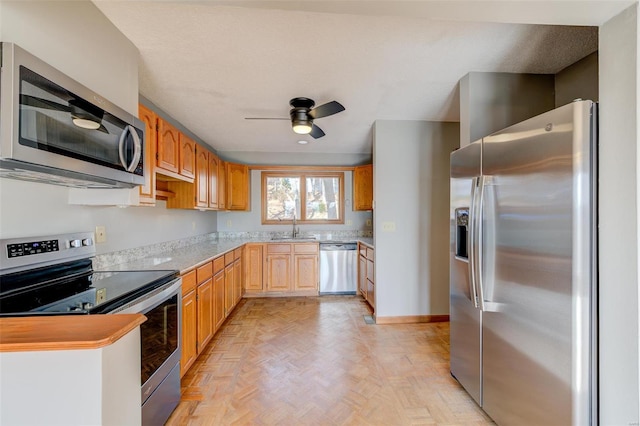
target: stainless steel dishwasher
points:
(338, 268)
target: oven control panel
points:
(35, 247)
(24, 253)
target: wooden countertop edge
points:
(67, 332)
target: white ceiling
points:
(209, 65)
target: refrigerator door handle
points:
(473, 242)
(479, 228)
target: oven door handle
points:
(153, 298)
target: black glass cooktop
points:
(73, 288)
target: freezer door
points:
(465, 319)
(537, 262)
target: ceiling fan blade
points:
(316, 132)
(102, 129)
(42, 103)
(327, 109)
(266, 118)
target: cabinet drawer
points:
(218, 264)
(188, 282)
(305, 248)
(205, 272)
(228, 258)
(369, 253)
(363, 251)
(237, 253)
(279, 248)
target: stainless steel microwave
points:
(55, 130)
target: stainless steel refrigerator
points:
(523, 269)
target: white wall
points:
(56, 32)
(618, 220)
(411, 190)
(252, 220)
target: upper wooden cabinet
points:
(168, 155)
(148, 190)
(187, 157)
(222, 185)
(213, 180)
(202, 177)
(363, 187)
(237, 176)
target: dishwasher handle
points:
(338, 246)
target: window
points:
(312, 197)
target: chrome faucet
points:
(295, 231)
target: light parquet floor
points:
(314, 361)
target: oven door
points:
(160, 337)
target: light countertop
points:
(189, 257)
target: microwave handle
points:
(137, 148)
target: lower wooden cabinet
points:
(362, 275)
(288, 268)
(366, 276)
(204, 297)
(237, 276)
(253, 268)
(218, 296)
(305, 267)
(189, 331)
(278, 267)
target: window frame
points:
(303, 175)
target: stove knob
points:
(75, 243)
(87, 242)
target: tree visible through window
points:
(311, 197)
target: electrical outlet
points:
(229, 223)
(193, 225)
(349, 222)
(368, 222)
(101, 234)
(388, 226)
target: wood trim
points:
(303, 214)
(67, 332)
(412, 319)
(268, 168)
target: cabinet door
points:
(148, 190)
(305, 271)
(205, 313)
(237, 186)
(362, 275)
(228, 289)
(202, 177)
(253, 267)
(278, 273)
(237, 281)
(222, 185)
(218, 290)
(213, 180)
(168, 146)
(363, 187)
(187, 157)
(189, 333)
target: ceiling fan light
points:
(302, 128)
(86, 123)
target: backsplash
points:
(106, 260)
(320, 235)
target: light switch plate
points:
(388, 226)
(101, 234)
